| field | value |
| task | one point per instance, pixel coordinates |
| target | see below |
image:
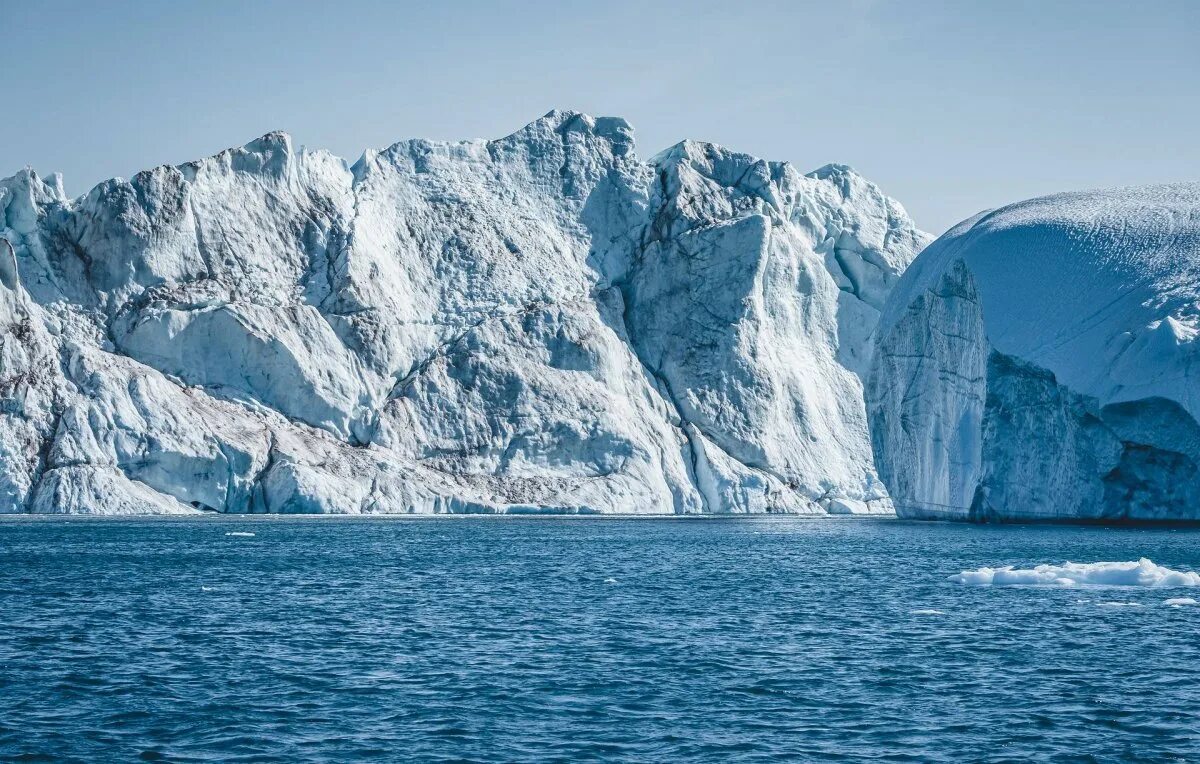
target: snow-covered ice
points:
(543, 322)
(1143, 573)
(547, 323)
(1035, 362)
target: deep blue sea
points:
(544, 639)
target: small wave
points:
(1141, 573)
(1180, 602)
(1118, 604)
(927, 612)
(243, 534)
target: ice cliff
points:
(1036, 363)
(538, 323)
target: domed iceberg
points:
(1036, 363)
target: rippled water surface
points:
(507, 639)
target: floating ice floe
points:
(243, 534)
(1141, 573)
(1180, 602)
(927, 611)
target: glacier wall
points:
(540, 323)
(1036, 363)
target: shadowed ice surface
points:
(484, 639)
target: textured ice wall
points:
(1036, 362)
(538, 323)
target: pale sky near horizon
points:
(951, 107)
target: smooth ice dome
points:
(1036, 362)
(540, 323)
(1140, 573)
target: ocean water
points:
(544, 639)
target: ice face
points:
(542, 322)
(1035, 363)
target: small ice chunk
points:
(1118, 604)
(1141, 573)
(1180, 602)
(610, 580)
(243, 534)
(927, 611)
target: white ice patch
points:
(1180, 602)
(243, 534)
(927, 612)
(1140, 573)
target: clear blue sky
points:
(951, 107)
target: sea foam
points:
(1141, 573)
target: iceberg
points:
(1036, 363)
(539, 323)
(1180, 602)
(1142, 573)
